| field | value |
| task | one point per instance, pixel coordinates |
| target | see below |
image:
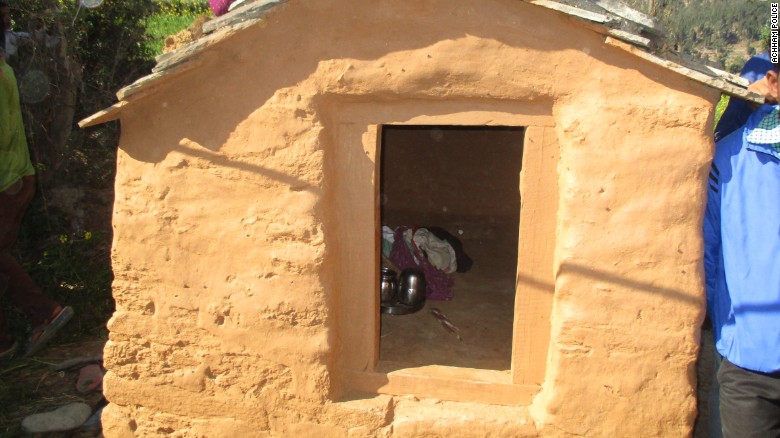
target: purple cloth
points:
(438, 283)
(220, 7)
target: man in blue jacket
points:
(742, 266)
(737, 111)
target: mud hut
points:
(258, 164)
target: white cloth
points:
(388, 234)
(439, 252)
(388, 237)
(14, 39)
(12, 42)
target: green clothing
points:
(14, 155)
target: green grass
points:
(173, 16)
(719, 108)
(161, 26)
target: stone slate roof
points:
(622, 26)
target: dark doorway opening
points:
(465, 180)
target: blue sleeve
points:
(734, 117)
(711, 228)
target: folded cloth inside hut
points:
(437, 251)
(406, 253)
(464, 262)
(443, 250)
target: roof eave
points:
(612, 23)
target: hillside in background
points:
(722, 33)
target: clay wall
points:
(230, 211)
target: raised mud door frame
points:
(535, 284)
(356, 195)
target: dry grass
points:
(30, 386)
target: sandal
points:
(90, 379)
(41, 335)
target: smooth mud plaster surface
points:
(231, 245)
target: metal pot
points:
(411, 288)
(388, 285)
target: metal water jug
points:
(388, 285)
(411, 290)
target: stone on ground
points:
(62, 419)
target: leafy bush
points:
(83, 56)
(97, 52)
(109, 42)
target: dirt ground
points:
(31, 386)
(39, 389)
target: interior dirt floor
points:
(482, 309)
